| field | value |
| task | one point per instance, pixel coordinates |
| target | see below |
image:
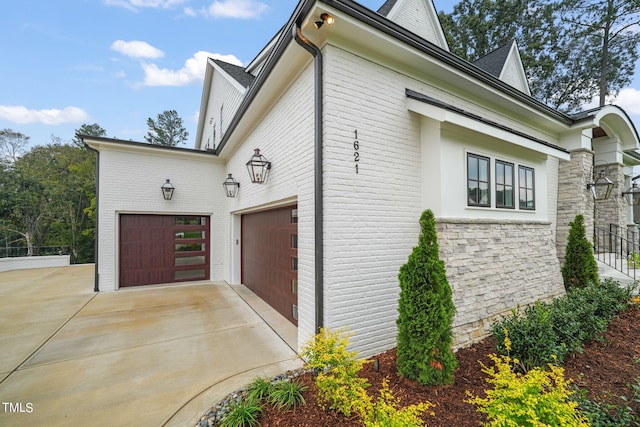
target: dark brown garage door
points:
(270, 258)
(163, 249)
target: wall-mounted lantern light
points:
(632, 194)
(601, 189)
(230, 186)
(258, 167)
(325, 18)
(167, 190)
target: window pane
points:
(189, 248)
(499, 173)
(508, 197)
(190, 235)
(484, 193)
(190, 260)
(191, 220)
(473, 193)
(189, 274)
(483, 170)
(472, 168)
(294, 241)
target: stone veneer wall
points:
(573, 197)
(494, 266)
(614, 209)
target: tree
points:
(12, 145)
(167, 130)
(89, 130)
(564, 44)
(611, 28)
(580, 267)
(426, 312)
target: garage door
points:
(163, 249)
(270, 258)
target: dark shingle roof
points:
(238, 73)
(493, 62)
(386, 7)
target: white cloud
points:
(136, 49)
(137, 4)
(22, 115)
(190, 12)
(239, 9)
(193, 70)
(629, 100)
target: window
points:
(504, 185)
(478, 181)
(527, 188)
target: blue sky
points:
(119, 62)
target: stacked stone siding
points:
(573, 197)
(494, 266)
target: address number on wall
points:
(356, 152)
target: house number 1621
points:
(356, 153)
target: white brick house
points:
(367, 121)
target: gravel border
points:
(216, 414)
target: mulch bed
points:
(605, 368)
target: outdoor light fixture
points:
(324, 18)
(258, 167)
(167, 190)
(230, 186)
(601, 189)
(632, 194)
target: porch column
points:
(573, 196)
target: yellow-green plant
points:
(340, 387)
(538, 398)
(384, 411)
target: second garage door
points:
(270, 258)
(163, 249)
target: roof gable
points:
(417, 16)
(239, 74)
(505, 64)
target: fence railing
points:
(22, 251)
(619, 248)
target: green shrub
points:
(580, 267)
(600, 413)
(537, 398)
(426, 312)
(548, 332)
(287, 394)
(244, 413)
(534, 341)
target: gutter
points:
(318, 187)
(96, 280)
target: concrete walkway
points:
(156, 356)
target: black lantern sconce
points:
(325, 18)
(230, 186)
(601, 189)
(167, 190)
(258, 168)
(632, 194)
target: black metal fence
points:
(22, 251)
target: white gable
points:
(419, 17)
(513, 71)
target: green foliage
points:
(601, 413)
(243, 413)
(426, 312)
(634, 260)
(547, 332)
(259, 390)
(168, 130)
(580, 267)
(537, 398)
(287, 394)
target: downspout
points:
(96, 281)
(318, 187)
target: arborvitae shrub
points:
(580, 267)
(426, 312)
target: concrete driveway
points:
(156, 356)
